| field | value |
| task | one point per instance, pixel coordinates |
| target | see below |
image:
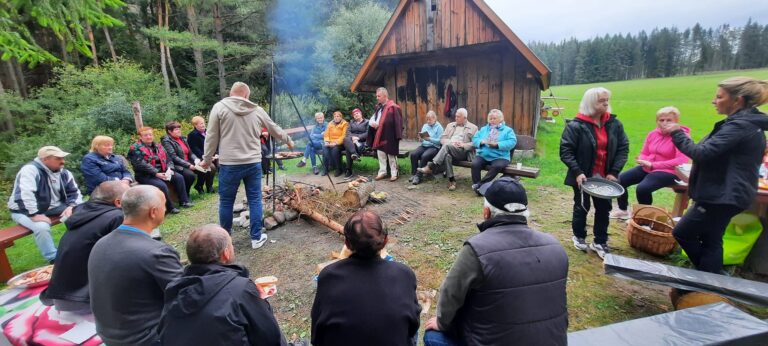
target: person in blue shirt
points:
(430, 145)
(315, 143)
(493, 142)
(101, 164)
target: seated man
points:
(363, 299)
(129, 271)
(507, 286)
(354, 141)
(90, 221)
(43, 189)
(456, 145)
(314, 143)
(215, 302)
(493, 142)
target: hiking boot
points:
(579, 243)
(315, 170)
(451, 186)
(301, 163)
(619, 214)
(600, 249)
(426, 169)
(257, 243)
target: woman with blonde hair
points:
(723, 180)
(101, 164)
(655, 166)
(196, 140)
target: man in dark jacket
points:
(129, 272)
(365, 300)
(507, 286)
(215, 302)
(90, 221)
(385, 132)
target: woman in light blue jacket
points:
(493, 142)
(430, 145)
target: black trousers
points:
(205, 178)
(351, 148)
(700, 234)
(579, 218)
(332, 158)
(421, 156)
(189, 178)
(494, 168)
(178, 184)
(646, 183)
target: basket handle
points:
(653, 207)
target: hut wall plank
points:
(472, 92)
(482, 91)
(508, 87)
(438, 27)
(494, 85)
(460, 35)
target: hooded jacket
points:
(234, 128)
(726, 162)
(33, 194)
(662, 152)
(216, 304)
(89, 222)
(578, 148)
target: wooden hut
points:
(431, 46)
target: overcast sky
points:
(555, 20)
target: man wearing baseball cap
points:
(507, 285)
(43, 189)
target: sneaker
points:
(619, 214)
(411, 178)
(416, 180)
(451, 186)
(355, 157)
(315, 170)
(600, 249)
(580, 243)
(257, 243)
(301, 163)
(348, 174)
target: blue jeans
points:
(42, 232)
(311, 150)
(229, 181)
(438, 338)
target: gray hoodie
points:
(234, 127)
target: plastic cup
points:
(519, 166)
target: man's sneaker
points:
(600, 249)
(580, 243)
(315, 170)
(355, 157)
(619, 214)
(301, 163)
(257, 243)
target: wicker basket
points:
(657, 240)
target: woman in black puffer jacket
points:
(179, 152)
(724, 176)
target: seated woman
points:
(150, 163)
(177, 149)
(354, 141)
(656, 164)
(493, 143)
(196, 141)
(332, 145)
(315, 143)
(430, 145)
(101, 165)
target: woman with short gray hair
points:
(430, 144)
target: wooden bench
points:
(7, 237)
(524, 144)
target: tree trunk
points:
(197, 52)
(7, 117)
(166, 82)
(93, 43)
(109, 42)
(20, 76)
(168, 49)
(220, 52)
(12, 75)
(64, 55)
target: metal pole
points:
(273, 148)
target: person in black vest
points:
(215, 302)
(507, 286)
(363, 299)
(90, 221)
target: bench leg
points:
(6, 273)
(680, 204)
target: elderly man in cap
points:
(507, 285)
(43, 190)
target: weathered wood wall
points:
(482, 81)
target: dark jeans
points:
(646, 183)
(494, 168)
(205, 178)
(700, 234)
(178, 184)
(438, 338)
(579, 219)
(351, 148)
(189, 178)
(230, 177)
(332, 158)
(421, 156)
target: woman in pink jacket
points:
(655, 165)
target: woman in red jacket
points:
(655, 166)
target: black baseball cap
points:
(505, 193)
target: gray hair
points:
(383, 90)
(498, 212)
(139, 199)
(668, 110)
(431, 114)
(206, 243)
(496, 113)
(108, 191)
(588, 102)
(462, 111)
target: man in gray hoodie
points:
(234, 128)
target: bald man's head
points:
(109, 191)
(240, 89)
(138, 200)
(208, 244)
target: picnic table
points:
(26, 321)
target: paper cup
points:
(268, 284)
